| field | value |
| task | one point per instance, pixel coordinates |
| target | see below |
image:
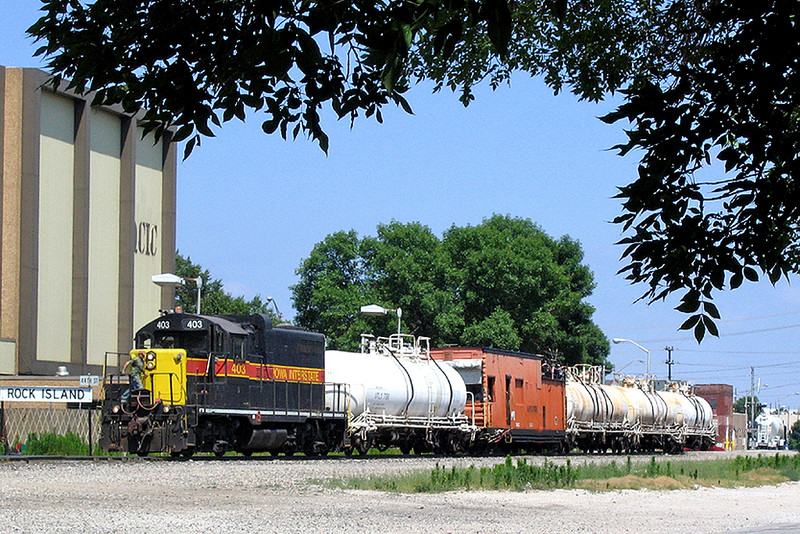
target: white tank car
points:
(631, 416)
(770, 432)
(394, 392)
(650, 409)
(690, 411)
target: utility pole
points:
(750, 407)
(669, 361)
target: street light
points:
(620, 340)
(173, 280)
(272, 300)
(374, 309)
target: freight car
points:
(516, 399)
(631, 416)
(219, 383)
(398, 395)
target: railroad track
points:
(12, 458)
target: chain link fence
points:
(18, 422)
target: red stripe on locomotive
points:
(254, 371)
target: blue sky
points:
(251, 207)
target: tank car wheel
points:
(405, 448)
(362, 446)
(174, 454)
(246, 454)
(188, 452)
(142, 454)
(348, 451)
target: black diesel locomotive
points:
(220, 383)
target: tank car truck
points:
(516, 399)
(399, 396)
(220, 383)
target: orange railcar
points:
(516, 398)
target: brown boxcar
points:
(515, 398)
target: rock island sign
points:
(45, 394)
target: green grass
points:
(520, 476)
(52, 444)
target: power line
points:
(739, 351)
(722, 366)
(734, 320)
(723, 335)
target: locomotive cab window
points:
(219, 341)
(144, 341)
(196, 343)
(238, 347)
(165, 340)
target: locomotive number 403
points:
(194, 324)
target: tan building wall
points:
(88, 216)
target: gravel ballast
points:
(287, 497)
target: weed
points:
(659, 475)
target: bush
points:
(52, 444)
(794, 437)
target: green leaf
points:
(711, 310)
(689, 306)
(736, 280)
(187, 150)
(269, 126)
(711, 326)
(689, 323)
(700, 331)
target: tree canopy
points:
(733, 98)
(193, 65)
(503, 283)
(709, 87)
(743, 404)
(214, 299)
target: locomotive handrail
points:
(105, 361)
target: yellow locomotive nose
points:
(165, 374)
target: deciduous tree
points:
(743, 404)
(503, 283)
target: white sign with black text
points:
(45, 394)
